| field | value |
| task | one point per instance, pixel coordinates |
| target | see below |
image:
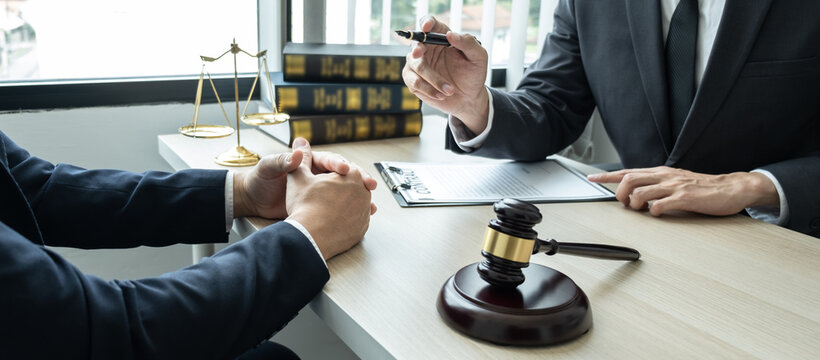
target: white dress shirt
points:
(710, 14)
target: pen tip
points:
(401, 33)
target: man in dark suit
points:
(712, 105)
(216, 309)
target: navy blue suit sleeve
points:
(118, 209)
(212, 310)
(795, 177)
(551, 106)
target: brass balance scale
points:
(238, 155)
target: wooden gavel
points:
(510, 241)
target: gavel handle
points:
(599, 251)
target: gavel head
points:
(509, 243)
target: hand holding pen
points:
(449, 78)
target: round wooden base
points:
(547, 308)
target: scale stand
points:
(238, 155)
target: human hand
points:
(326, 162)
(261, 191)
(450, 79)
(334, 208)
(670, 189)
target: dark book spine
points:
(313, 99)
(343, 68)
(328, 129)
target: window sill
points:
(36, 95)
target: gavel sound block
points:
(505, 299)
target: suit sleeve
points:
(117, 209)
(798, 178)
(551, 106)
(215, 309)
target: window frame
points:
(46, 94)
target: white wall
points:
(105, 137)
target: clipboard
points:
(442, 184)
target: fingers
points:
(643, 195)
(417, 84)
(616, 176)
(422, 77)
(608, 177)
(668, 204)
(321, 162)
(429, 23)
(301, 145)
(356, 174)
(369, 182)
(630, 182)
(329, 162)
(468, 44)
(272, 166)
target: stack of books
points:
(337, 93)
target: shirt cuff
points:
(228, 201)
(465, 138)
(771, 214)
(304, 231)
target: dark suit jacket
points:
(758, 104)
(215, 309)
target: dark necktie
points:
(680, 62)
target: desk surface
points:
(728, 287)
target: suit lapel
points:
(736, 35)
(647, 39)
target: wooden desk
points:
(707, 287)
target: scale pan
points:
(265, 118)
(206, 131)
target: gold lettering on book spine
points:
(288, 99)
(338, 130)
(409, 101)
(412, 124)
(353, 97)
(361, 68)
(295, 65)
(387, 69)
(378, 98)
(332, 67)
(384, 126)
(323, 99)
(362, 127)
(300, 128)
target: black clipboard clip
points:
(401, 182)
(394, 177)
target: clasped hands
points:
(663, 189)
(325, 193)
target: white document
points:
(479, 183)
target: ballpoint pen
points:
(426, 37)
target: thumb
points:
(303, 146)
(272, 166)
(468, 44)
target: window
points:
(93, 39)
(366, 21)
(57, 53)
